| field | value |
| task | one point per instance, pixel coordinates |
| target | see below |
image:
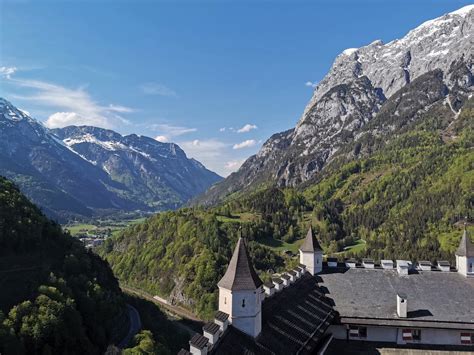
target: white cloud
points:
(162, 139)
(245, 144)
(76, 105)
(170, 131)
(157, 89)
(247, 128)
(312, 84)
(233, 165)
(222, 129)
(7, 71)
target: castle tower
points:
(465, 255)
(241, 293)
(311, 254)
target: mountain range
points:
(380, 165)
(77, 172)
(369, 92)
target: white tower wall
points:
(244, 309)
(313, 261)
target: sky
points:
(216, 77)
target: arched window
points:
(243, 302)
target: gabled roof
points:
(310, 243)
(466, 247)
(240, 274)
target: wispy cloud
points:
(245, 144)
(311, 84)
(78, 107)
(247, 128)
(7, 71)
(157, 89)
(167, 131)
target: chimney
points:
(402, 305)
(211, 331)
(198, 345)
(402, 267)
(222, 320)
(278, 282)
(269, 288)
(387, 264)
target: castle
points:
(331, 307)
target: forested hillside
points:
(57, 297)
(397, 196)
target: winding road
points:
(135, 326)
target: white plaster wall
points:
(435, 336)
(313, 261)
(225, 301)
(373, 333)
(470, 261)
(395, 335)
(250, 325)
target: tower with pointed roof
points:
(465, 255)
(311, 254)
(241, 293)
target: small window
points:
(411, 334)
(467, 338)
(225, 300)
(243, 303)
(358, 332)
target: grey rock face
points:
(357, 87)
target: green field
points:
(240, 218)
(96, 227)
(357, 247)
(280, 246)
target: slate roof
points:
(466, 247)
(293, 321)
(198, 341)
(221, 316)
(240, 274)
(269, 284)
(277, 280)
(310, 243)
(434, 297)
(211, 327)
(184, 352)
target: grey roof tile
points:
(240, 274)
(211, 327)
(466, 247)
(310, 243)
(198, 341)
(432, 296)
(221, 316)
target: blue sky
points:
(218, 78)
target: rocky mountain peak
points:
(434, 44)
(363, 84)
